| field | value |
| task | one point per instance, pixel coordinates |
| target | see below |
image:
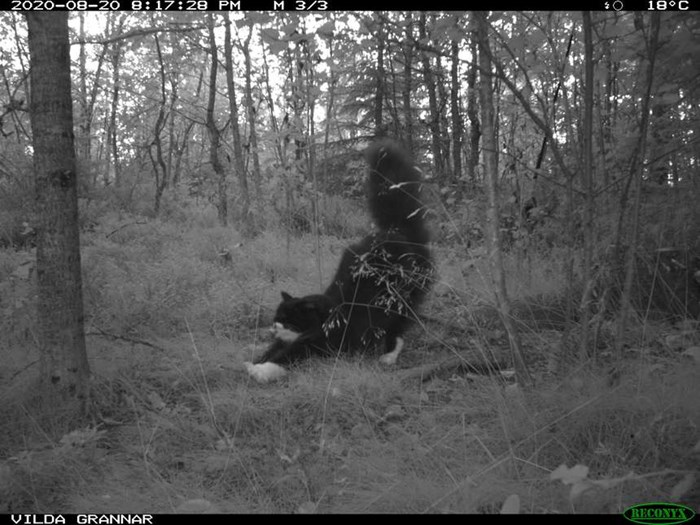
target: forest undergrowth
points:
(173, 308)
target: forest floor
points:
(180, 427)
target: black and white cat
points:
(380, 280)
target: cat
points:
(379, 283)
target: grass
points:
(182, 427)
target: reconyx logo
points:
(658, 514)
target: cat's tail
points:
(394, 191)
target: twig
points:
(127, 339)
(23, 369)
(124, 226)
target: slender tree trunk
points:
(456, 114)
(214, 134)
(112, 133)
(157, 161)
(379, 81)
(491, 172)
(181, 145)
(83, 140)
(472, 113)
(280, 142)
(250, 109)
(329, 112)
(587, 184)
(238, 161)
(636, 172)
(87, 99)
(172, 139)
(63, 359)
(434, 113)
(408, 83)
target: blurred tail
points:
(394, 191)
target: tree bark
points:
(238, 161)
(379, 81)
(434, 113)
(63, 358)
(159, 166)
(250, 109)
(408, 83)
(456, 114)
(214, 134)
(113, 150)
(472, 113)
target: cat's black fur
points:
(380, 280)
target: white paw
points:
(264, 372)
(391, 357)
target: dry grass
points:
(185, 424)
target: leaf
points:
(511, 505)
(570, 476)
(308, 507)
(682, 487)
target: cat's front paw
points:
(264, 372)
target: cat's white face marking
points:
(283, 334)
(390, 358)
(265, 372)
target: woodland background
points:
(219, 162)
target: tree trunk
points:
(238, 161)
(587, 184)
(456, 114)
(491, 172)
(250, 108)
(408, 83)
(472, 113)
(214, 135)
(434, 113)
(159, 167)
(181, 145)
(63, 358)
(379, 81)
(113, 150)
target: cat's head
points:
(298, 315)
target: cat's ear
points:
(286, 296)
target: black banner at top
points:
(345, 5)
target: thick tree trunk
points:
(64, 365)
